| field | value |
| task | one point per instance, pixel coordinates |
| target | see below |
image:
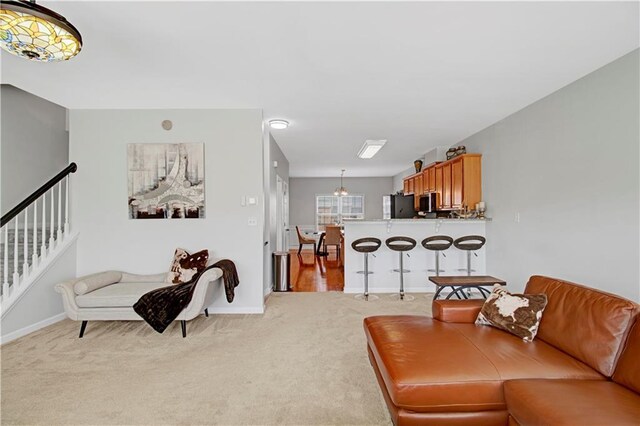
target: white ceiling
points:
(417, 74)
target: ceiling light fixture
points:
(342, 191)
(36, 33)
(371, 148)
(278, 124)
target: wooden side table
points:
(459, 283)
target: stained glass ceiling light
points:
(36, 33)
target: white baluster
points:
(16, 275)
(59, 235)
(66, 207)
(34, 256)
(25, 246)
(5, 269)
(43, 248)
(52, 232)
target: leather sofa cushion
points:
(628, 367)
(588, 324)
(96, 281)
(432, 366)
(571, 402)
(118, 295)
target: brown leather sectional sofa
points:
(583, 368)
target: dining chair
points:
(304, 240)
(333, 237)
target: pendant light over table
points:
(342, 190)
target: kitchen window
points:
(331, 209)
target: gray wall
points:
(568, 166)
(35, 144)
(398, 180)
(303, 193)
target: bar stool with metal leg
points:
(469, 243)
(401, 245)
(438, 244)
(366, 245)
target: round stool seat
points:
(366, 245)
(437, 242)
(400, 243)
(470, 242)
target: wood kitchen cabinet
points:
(429, 179)
(445, 198)
(417, 190)
(405, 188)
(459, 182)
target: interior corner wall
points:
(34, 144)
(398, 180)
(233, 168)
(561, 183)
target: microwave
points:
(428, 202)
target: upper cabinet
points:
(458, 182)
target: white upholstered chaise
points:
(110, 295)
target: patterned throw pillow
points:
(519, 314)
(185, 266)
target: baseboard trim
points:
(236, 310)
(31, 328)
(394, 289)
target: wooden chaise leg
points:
(206, 312)
(183, 324)
(82, 328)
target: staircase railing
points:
(23, 249)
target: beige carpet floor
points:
(303, 362)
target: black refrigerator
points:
(398, 206)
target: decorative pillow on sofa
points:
(519, 314)
(185, 266)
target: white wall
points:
(40, 305)
(303, 193)
(233, 168)
(34, 144)
(568, 165)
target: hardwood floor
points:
(313, 273)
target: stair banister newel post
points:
(43, 248)
(59, 235)
(52, 231)
(34, 256)
(16, 275)
(25, 246)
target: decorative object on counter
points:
(418, 165)
(463, 213)
(481, 208)
(166, 180)
(342, 191)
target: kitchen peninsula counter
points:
(383, 279)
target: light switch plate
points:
(252, 201)
(252, 221)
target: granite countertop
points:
(376, 221)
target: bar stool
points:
(401, 245)
(437, 244)
(366, 245)
(470, 243)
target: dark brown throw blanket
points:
(161, 306)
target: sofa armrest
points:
(68, 298)
(460, 311)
